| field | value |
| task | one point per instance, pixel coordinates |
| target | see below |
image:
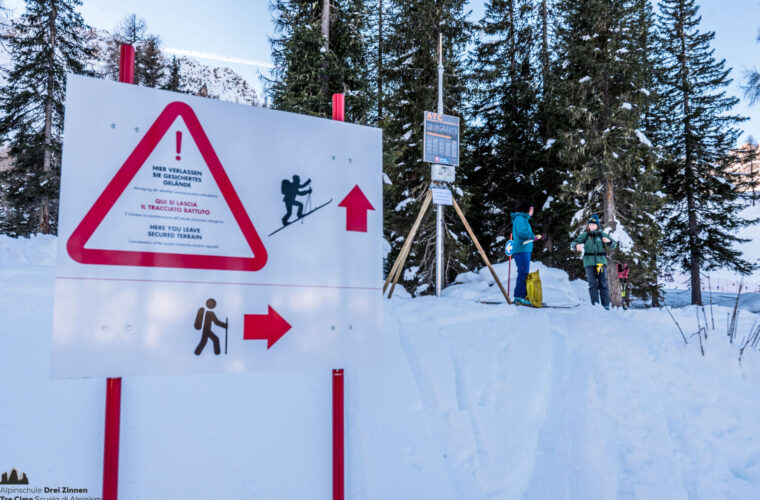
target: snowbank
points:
(474, 402)
(580, 287)
(38, 250)
(481, 287)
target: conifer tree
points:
(642, 200)
(45, 43)
(698, 134)
(174, 78)
(508, 149)
(130, 31)
(150, 64)
(553, 216)
(752, 86)
(602, 94)
(320, 48)
(410, 79)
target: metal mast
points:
(439, 208)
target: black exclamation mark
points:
(179, 143)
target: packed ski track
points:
(578, 404)
(472, 401)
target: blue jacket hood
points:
(519, 214)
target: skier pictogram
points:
(291, 191)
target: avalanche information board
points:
(199, 236)
(441, 139)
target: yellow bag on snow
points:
(535, 295)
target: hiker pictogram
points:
(204, 320)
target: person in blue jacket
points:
(523, 237)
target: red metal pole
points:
(338, 428)
(338, 107)
(113, 385)
(127, 64)
(111, 447)
(338, 437)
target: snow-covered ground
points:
(556, 288)
(474, 401)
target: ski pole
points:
(509, 271)
(226, 323)
(307, 207)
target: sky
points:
(235, 33)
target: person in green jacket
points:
(594, 243)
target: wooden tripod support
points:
(401, 259)
(398, 265)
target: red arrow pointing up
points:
(270, 327)
(356, 205)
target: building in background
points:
(5, 165)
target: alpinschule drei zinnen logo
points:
(12, 477)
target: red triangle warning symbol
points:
(135, 253)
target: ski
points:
(544, 306)
(301, 217)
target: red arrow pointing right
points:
(270, 327)
(356, 205)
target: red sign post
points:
(338, 111)
(113, 385)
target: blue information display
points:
(441, 139)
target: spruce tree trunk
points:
(47, 153)
(548, 246)
(544, 47)
(613, 282)
(655, 294)
(513, 49)
(691, 208)
(513, 62)
(696, 285)
(380, 62)
(326, 24)
(609, 202)
(325, 48)
(544, 125)
(609, 219)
